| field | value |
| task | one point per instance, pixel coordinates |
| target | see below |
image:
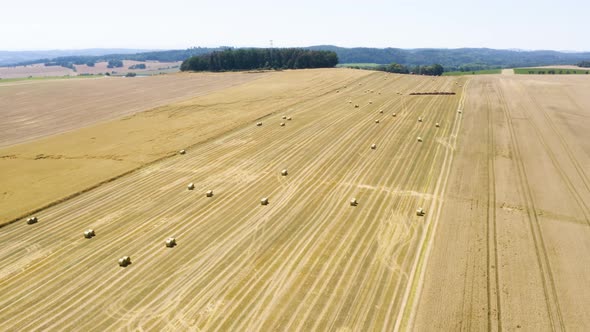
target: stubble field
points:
(502, 245)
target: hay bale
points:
(394, 115)
(32, 220)
(356, 105)
(124, 261)
(420, 212)
(350, 101)
(282, 124)
(170, 242)
(419, 139)
(191, 186)
(284, 117)
(373, 146)
(89, 233)
(182, 151)
(437, 125)
(370, 101)
(289, 118)
(354, 202)
(284, 172)
(209, 193)
(259, 124)
(264, 201)
(381, 112)
(376, 121)
(459, 111)
(420, 119)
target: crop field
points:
(500, 170)
(476, 72)
(567, 70)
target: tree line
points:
(260, 58)
(432, 70)
(585, 64)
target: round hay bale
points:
(354, 202)
(282, 124)
(373, 146)
(356, 106)
(289, 118)
(182, 151)
(284, 117)
(209, 193)
(394, 115)
(350, 101)
(370, 101)
(89, 233)
(124, 261)
(284, 172)
(191, 186)
(420, 212)
(420, 119)
(437, 125)
(419, 139)
(381, 112)
(376, 121)
(32, 220)
(259, 124)
(170, 242)
(264, 201)
(459, 111)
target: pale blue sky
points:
(71, 24)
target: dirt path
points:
(507, 71)
(306, 261)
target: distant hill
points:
(14, 57)
(451, 59)
(454, 59)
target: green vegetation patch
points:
(359, 65)
(476, 72)
(551, 71)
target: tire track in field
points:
(411, 296)
(492, 275)
(549, 289)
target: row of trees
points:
(433, 70)
(260, 58)
(585, 64)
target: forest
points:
(260, 58)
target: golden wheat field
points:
(500, 170)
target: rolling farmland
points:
(502, 244)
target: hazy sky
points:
(74, 24)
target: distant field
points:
(551, 71)
(40, 70)
(363, 65)
(43, 78)
(476, 72)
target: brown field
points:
(30, 109)
(504, 184)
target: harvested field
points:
(56, 167)
(31, 110)
(511, 250)
(298, 263)
(502, 244)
